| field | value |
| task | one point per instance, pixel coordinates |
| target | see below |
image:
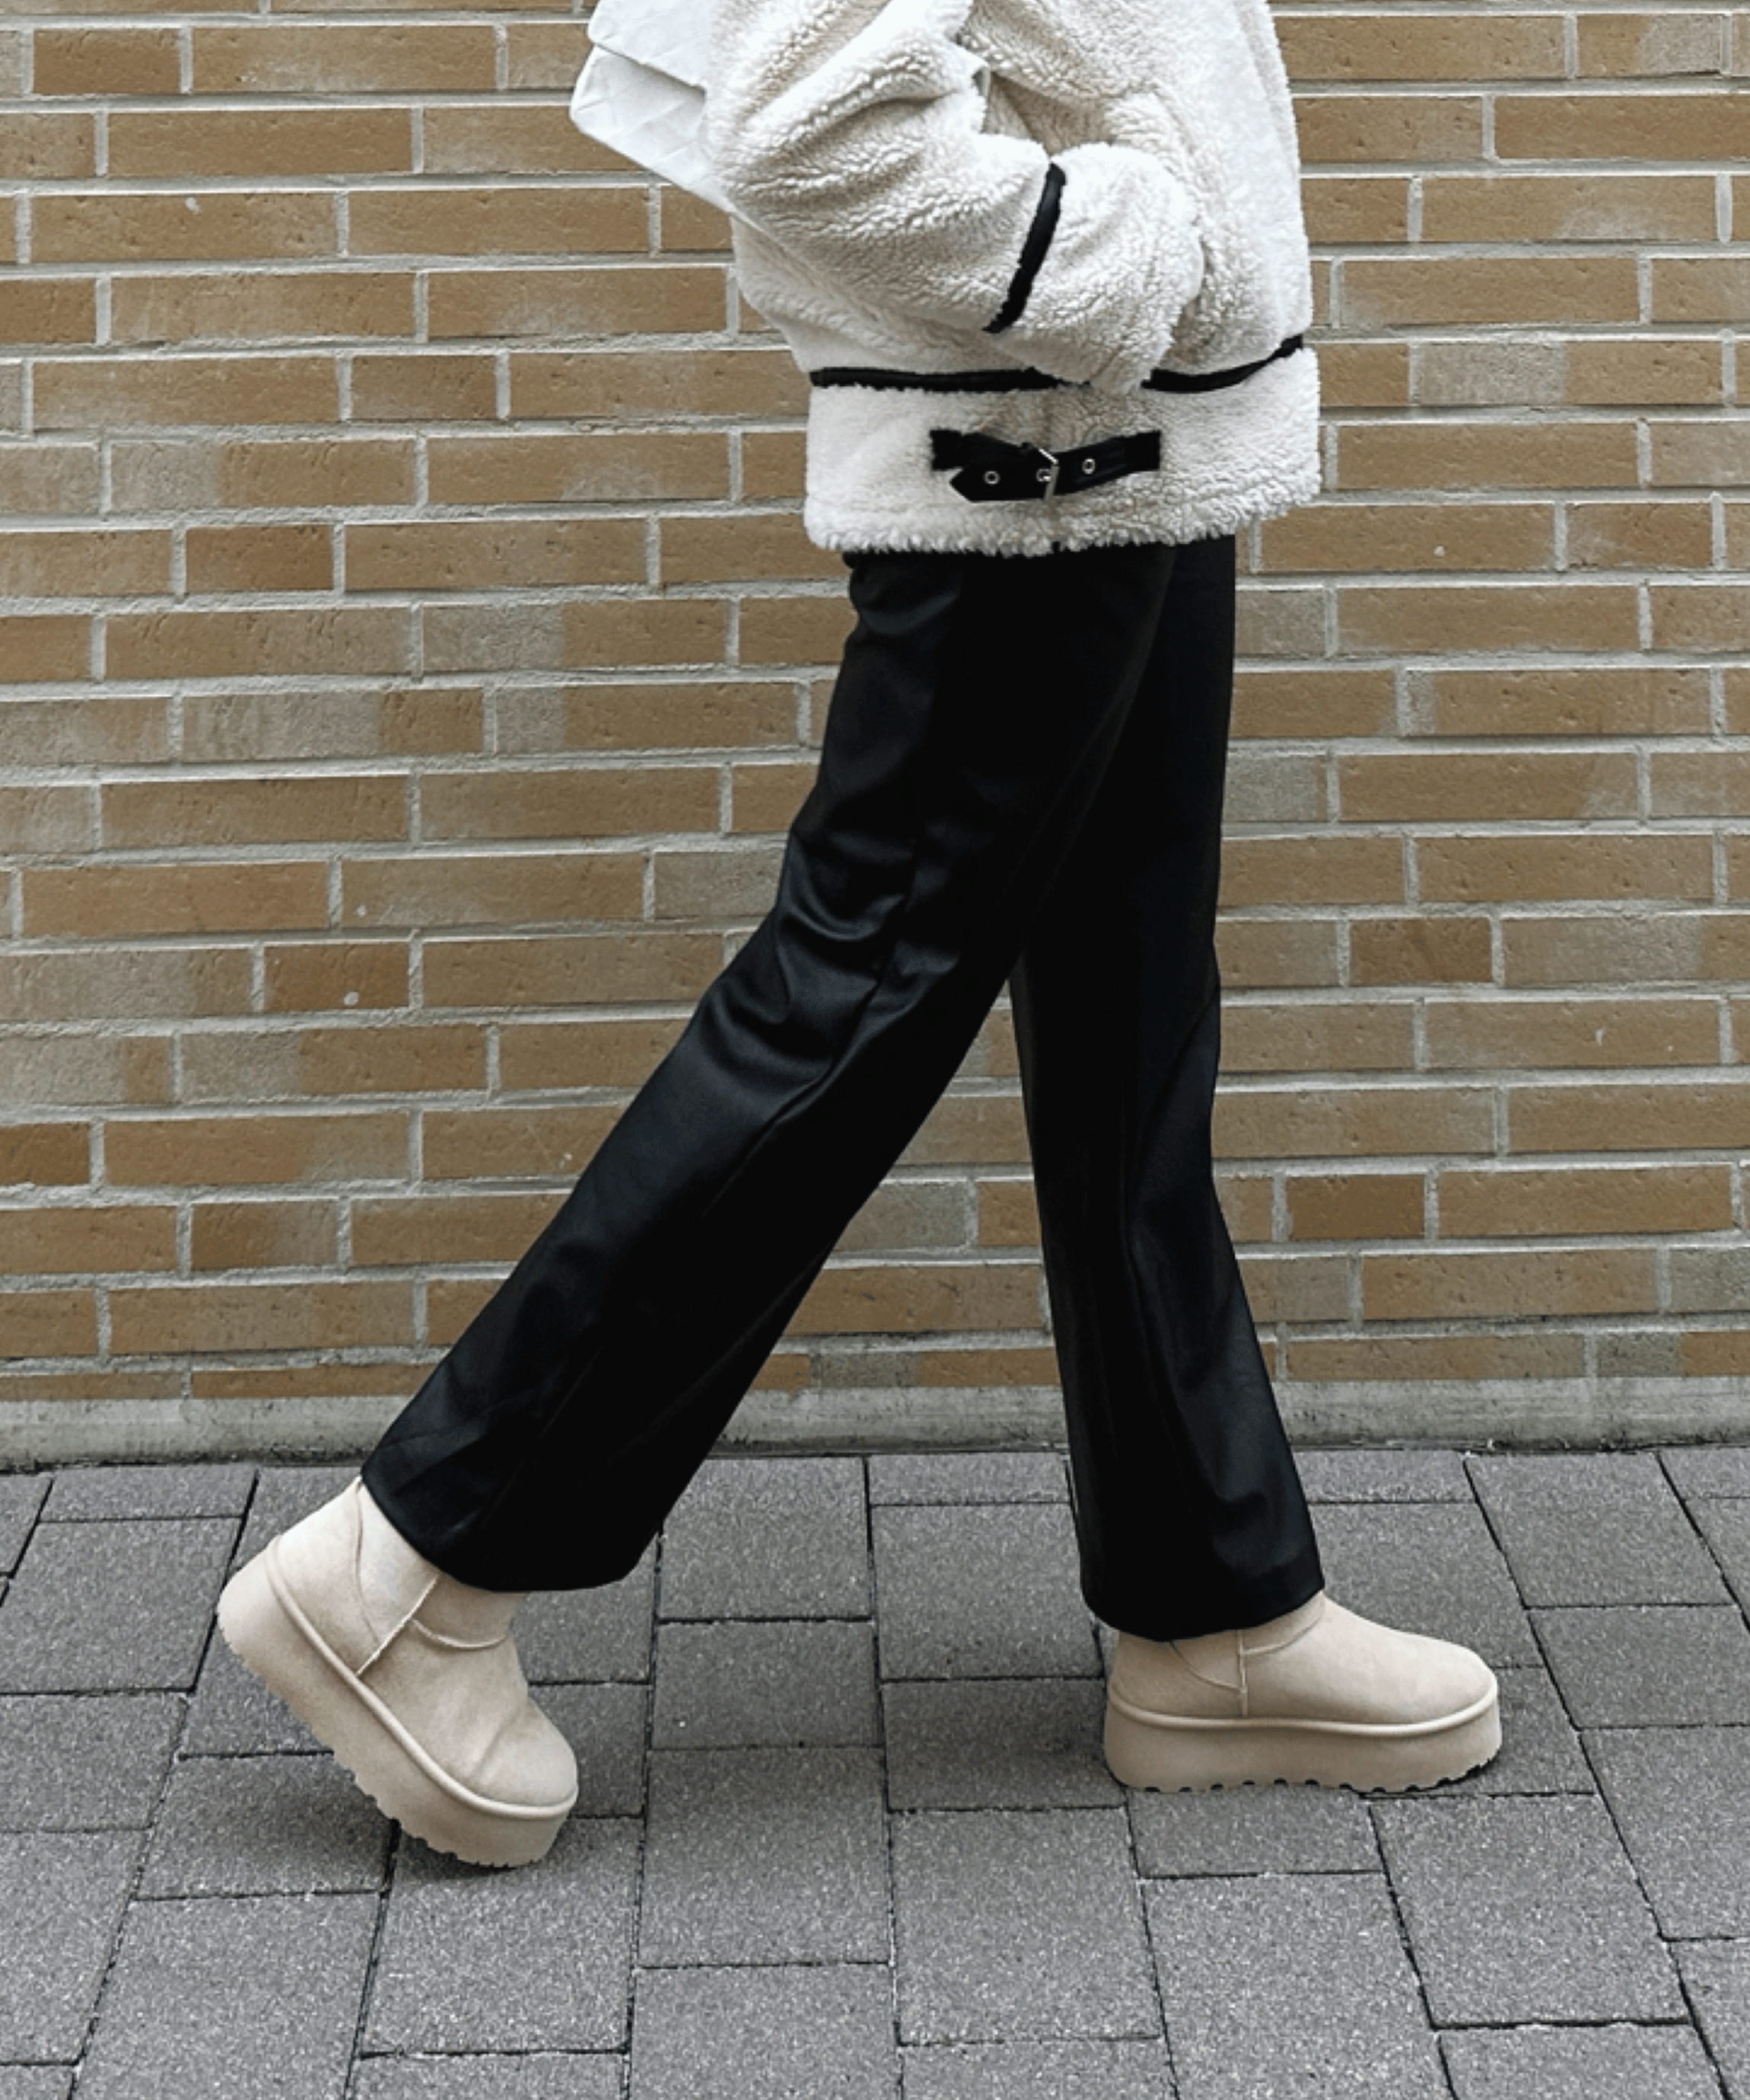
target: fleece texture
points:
(886, 161)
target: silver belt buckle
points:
(1049, 474)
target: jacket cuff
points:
(1109, 263)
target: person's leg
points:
(1189, 1514)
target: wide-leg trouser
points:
(1021, 777)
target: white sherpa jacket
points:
(1037, 222)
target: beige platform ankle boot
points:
(1318, 1695)
(410, 1678)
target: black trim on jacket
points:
(1032, 252)
(1025, 381)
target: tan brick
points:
(1356, 210)
(470, 554)
(1280, 1287)
(1636, 948)
(1700, 454)
(526, 802)
(563, 469)
(329, 641)
(1445, 455)
(48, 480)
(1566, 207)
(524, 219)
(1008, 1214)
(751, 546)
(1640, 126)
(423, 387)
(1364, 375)
(498, 1145)
(1601, 371)
(43, 145)
(1714, 1352)
(810, 630)
(983, 1368)
(1425, 536)
(1275, 621)
(354, 1057)
(1650, 699)
(277, 1235)
(920, 1297)
(502, 138)
(452, 1304)
(1704, 1115)
(256, 1150)
(1703, 783)
(540, 54)
(1619, 46)
(248, 727)
(49, 1323)
(1359, 130)
(1396, 1358)
(44, 1155)
(1697, 619)
(318, 473)
(253, 558)
(1353, 700)
(264, 812)
(1333, 45)
(186, 144)
(1300, 1122)
(1305, 1035)
(188, 897)
(1525, 1202)
(659, 382)
(971, 1130)
(1528, 1282)
(109, 984)
(1408, 291)
(158, 1320)
(1436, 619)
(195, 306)
(1260, 953)
(765, 798)
(570, 970)
(1738, 557)
(333, 58)
(1700, 288)
(107, 1239)
(155, 226)
(1354, 1206)
(49, 309)
(312, 1380)
(1518, 1035)
(586, 299)
(1639, 536)
(733, 885)
(45, 819)
(87, 1383)
(1602, 864)
(1447, 786)
(51, 1069)
(1435, 950)
(694, 714)
(105, 392)
(311, 976)
(773, 464)
(84, 563)
(470, 889)
(691, 226)
(398, 1231)
(1248, 1203)
(541, 1055)
(1313, 871)
(108, 62)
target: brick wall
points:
(410, 656)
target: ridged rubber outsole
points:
(275, 1641)
(1168, 1754)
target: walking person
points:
(1044, 265)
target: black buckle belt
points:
(993, 470)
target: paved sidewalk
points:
(845, 1832)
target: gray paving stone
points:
(1638, 1666)
(1579, 2063)
(1034, 1742)
(72, 1889)
(769, 1538)
(535, 1959)
(605, 1725)
(1718, 1980)
(1429, 1569)
(764, 2034)
(112, 1607)
(1019, 1927)
(1524, 1909)
(765, 1856)
(772, 1681)
(1726, 1526)
(990, 1592)
(1040, 2071)
(1709, 1469)
(597, 1636)
(968, 1476)
(542, 2077)
(1252, 1830)
(1682, 1800)
(263, 1826)
(1540, 1751)
(19, 2081)
(20, 1498)
(1278, 1986)
(1383, 1476)
(85, 1764)
(232, 1999)
(234, 1713)
(83, 1493)
(284, 1494)
(1603, 1528)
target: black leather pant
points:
(1021, 779)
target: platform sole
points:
(1171, 1755)
(275, 1642)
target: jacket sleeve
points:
(850, 132)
